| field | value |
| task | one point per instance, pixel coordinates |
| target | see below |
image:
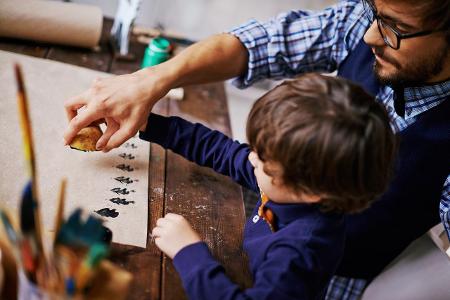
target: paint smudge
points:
(158, 190)
(200, 206)
(106, 212)
(120, 201)
(127, 156)
(124, 167)
(123, 179)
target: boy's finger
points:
(161, 222)
(174, 217)
(156, 232)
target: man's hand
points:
(172, 233)
(124, 102)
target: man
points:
(397, 50)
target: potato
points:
(87, 138)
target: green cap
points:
(156, 52)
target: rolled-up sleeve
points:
(296, 42)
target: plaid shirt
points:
(306, 41)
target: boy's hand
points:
(172, 233)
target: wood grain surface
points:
(212, 203)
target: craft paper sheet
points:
(115, 183)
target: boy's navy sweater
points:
(295, 262)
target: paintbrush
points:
(84, 274)
(61, 205)
(29, 246)
(79, 233)
(30, 215)
(27, 136)
(9, 229)
(13, 236)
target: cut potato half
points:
(87, 138)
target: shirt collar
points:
(289, 212)
(419, 99)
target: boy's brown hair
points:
(328, 137)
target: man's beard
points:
(414, 72)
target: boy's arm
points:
(282, 275)
(203, 146)
(288, 269)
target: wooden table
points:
(212, 203)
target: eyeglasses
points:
(390, 35)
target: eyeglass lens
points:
(388, 35)
(386, 31)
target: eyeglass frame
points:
(399, 36)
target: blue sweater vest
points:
(410, 206)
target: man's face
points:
(419, 59)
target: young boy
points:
(319, 147)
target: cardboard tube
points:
(53, 22)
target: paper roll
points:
(53, 22)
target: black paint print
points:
(106, 212)
(124, 167)
(127, 156)
(123, 179)
(119, 201)
(120, 191)
(130, 145)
